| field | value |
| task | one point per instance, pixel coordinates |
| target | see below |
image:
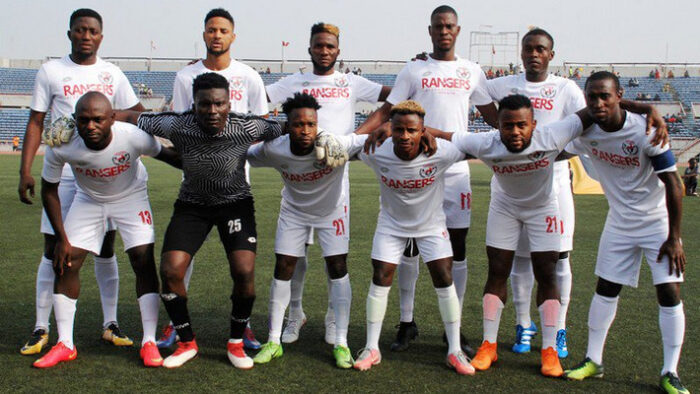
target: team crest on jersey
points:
(463, 73)
(630, 148)
(341, 81)
(120, 158)
(236, 83)
(535, 156)
(105, 77)
(428, 171)
(548, 91)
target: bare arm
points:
(128, 116)
(384, 93)
(672, 247)
(32, 140)
(52, 205)
(169, 156)
(138, 108)
(490, 114)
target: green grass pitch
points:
(633, 356)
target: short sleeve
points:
(279, 91)
(161, 124)
(403, 88)
(651, 150)
(124, 96)
(41, 96)
(661, 157)
(558, 134)
(480, 95)
(262, 129)
(53, 166)
(145, 143)
(575, 147)
(492, 89)
(576, 101)
(353, 143)
(257, 155)
(364, 89)
(257, 98)
(470, 143)
(449, 152)
(182, 93)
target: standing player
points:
(213, 142)
(58, 86)
(337, 94)
(445, 85)
(112, 185)
(411, 187)
(247, 95)
(645, 199)
(313, 197)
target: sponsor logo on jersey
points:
(463, 73)
(66, 79)
(328, 92)
(615, 159)
(383, 169)
(408, 185)
(594, 143)
(77, 90)
(548, 91)
(534, 156)
(425, 74)
(445, 83)
(341, 81)
(121, 157)
(106, 172)
(514, 91)
(252, 240)
(630, 148)
(520, 168)
(427, 171)
(319, 165)
(105, 77)
(305, 83)
(312, 176)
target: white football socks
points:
(148, 305)
(107, 275)
(44, 293)
(64, 311)
(408, 275)
(564, 280)
(280, 292)
(600, 317)
(341, 295)
(296, 310)
(492, 306)
(549, 314)
(672, 324)
(450, 311)
(459, 279)
(522, 280)
(376, 308)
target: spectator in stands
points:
(686, 74)
(510, 68)
(347, 70)
(666, 88)
(267, 70)
(657, 97)
(15, 143)
(657, 74)
(634, 82)
(690, 178)
(651, 74)
(670, 74)
(489, 74)
(639, 97)
(571, 72)
(341, 65)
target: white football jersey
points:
(107, 175)
(411, 191)
(523, 178)
(552, 100)
(627, 164)
(336, 93)
(311, 188)
(246, 88)
(445, 89)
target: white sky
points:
(584, 31)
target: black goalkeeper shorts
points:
(190, 225)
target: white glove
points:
(60, 131)
(330, 150)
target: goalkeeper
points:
(313, 198)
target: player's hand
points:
(330, 150)
(654, 119)
(673, 248)
(60, 131)
(428, 144)
(62, 256)
(377, 138)
(26, 183)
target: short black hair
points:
(443, 9)
(209, 81)
(539, 32)
(602, 75)
(218, 12)
(514, 102)
(300, 100)
(83, 13)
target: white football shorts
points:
(506, 221)
(293, 233)
(457, 203)
(389, 248)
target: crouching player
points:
(411, 187)
(644, 195)
(105, 160)
(312, 198)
